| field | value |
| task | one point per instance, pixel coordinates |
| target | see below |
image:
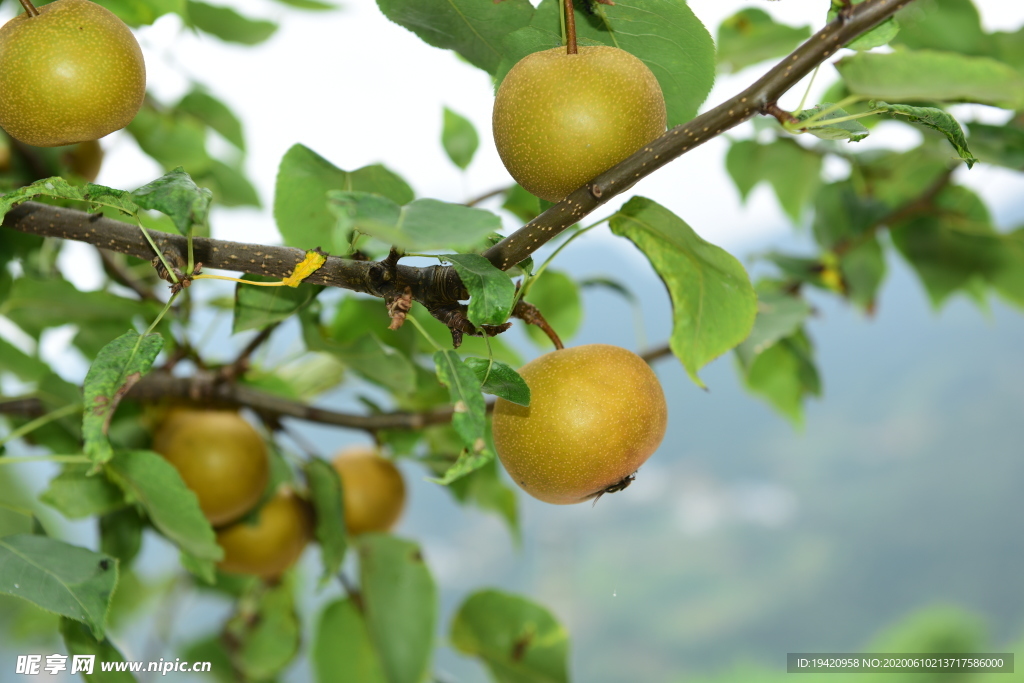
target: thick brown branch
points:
(210, 387)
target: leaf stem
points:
(159, 255)
(570, 28)
(416, 323)
(206, 276)
(40, 422)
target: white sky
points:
(358, 89)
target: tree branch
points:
(440, 285)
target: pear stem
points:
(570, 28)
(30, 9)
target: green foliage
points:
(60, 578)
(751, 36)
(117, 366)
(227, 24)
(491, 291)
(267, 631)
(518, 640)
(793, 171)
(882, 34)
(400, 605)
(152, 482)
(79, 641)
(557, 296)
(300, 197)
(177, 196)
(259, 307)
(327, 497)
(342, 649)
(470, 416)
(713, 302)
(936, 119)
(850, 130)
(500, 380)
(76, 493)
(459, 138)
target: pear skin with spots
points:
(560, 120)
(597, 413)
(73, 73)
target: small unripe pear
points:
(272, 542)
(596, 413)
(560, 120)
(73, 73)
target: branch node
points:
(398, 308)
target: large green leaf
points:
(76, 494)
(751, 36)
(269, 638)
(177, 196)
(79, 641)
(61, 578)
(841, 214)
(500, 380)
(229, 25)
(35, 305)
(785, 375)
(907, 75)
(664, 34)
(794, 172)
(342, 651)
(214, 114)
(1002, 145)
(491, 290)
(154, 483)
(140, 12)
(400, 605)
(471, 28)
(518, 640)
(326, 494)
(300, 196)
(936, 119)
(470, 416)
(422, 225)
(119, 365)
(714, 304)
(172, 138)
(229, 184)
(459, 138)
(953, 25)
(778, 315)
(485, 488)
(25, 367)
(557, 297)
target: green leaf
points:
(785, 375)
(141, 12)
(876, 37)
(500, 380)
(714, 305)
(119, 365)
(16, 520)
(470, 418)
(522, 204)
(76, 494)
(121, 534)
(214, 114)
(841, 214)
(518, 640)
(472, 29)
(952, 25)
(342, 651)
(491, 290)
(751, 36)
(484, 488)
(422, 225)
(60, 578)
(171, 138)
(366, 356)
(326, 494)
(269, 637)
(459, 138)
(300, 196)
(401, 605)
(154, 483)
(852, 130)
(794, 172)
(936, 119)
(954, 247)
(1001, 145)
(779, 315)
(933, 75)
(229, 25)
(79, 641)
(24, 367)
(557, 297)
(229, 185)
(176, 195)
(863, 269)
(664, 34)
(48, 187)
(258, 307)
